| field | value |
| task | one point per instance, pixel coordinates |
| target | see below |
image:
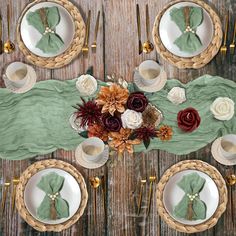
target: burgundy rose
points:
(137, 101)
(111, 123)
(188, 119)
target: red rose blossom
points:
(111, 123)
(137, 101)
(188, 119)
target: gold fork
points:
(94, 44)
(86, 47)
(15, 182)
(232, 45)
(142, 182)
(223, 49)
(152, 179)
(5, 193)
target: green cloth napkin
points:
(52, 184)
(187, 41)
(191, 207)
(37, 122)
(50, 41)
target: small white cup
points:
(92, 149)
(228, 146)
(17, 74)
(150, 72)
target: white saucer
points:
(27, 86)
(91, 165)
(218, 156)
(73, 124)
(157, 86)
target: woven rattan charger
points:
(216, 177)
(32, 170)
(73, 50)
(190, 62)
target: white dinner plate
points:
(169, 31)
(173, 194)
(70, 191)
(65, 29)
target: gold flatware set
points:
(147, 46)
(143, 182)
(95, 183)
(224, 48)
(5, 192)
(85, 48)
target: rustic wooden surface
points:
(117, 53)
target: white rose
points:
(176, 95)
(131, 119)
(222, 108)
(87, 85)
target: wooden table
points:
(117, 53)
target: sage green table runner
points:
(37, 122)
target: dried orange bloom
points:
(165, 133)
(96, 130)
(121, 142)
(112, 98)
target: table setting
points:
(117, 118)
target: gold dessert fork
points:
(232, 45)
(85, 48)
(142, 183)
(94, 44)
(152, 179)
(5, 193)
(15, 182)
(223, 49)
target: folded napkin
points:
(45, 21)
(189, 40)
(191, 207)
(53, 206)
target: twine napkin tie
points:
(53, 205)
(187, 19)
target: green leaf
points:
(90, 71)
(146, 143)
(133, 136)
(84, 134)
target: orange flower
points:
(121, 142)
(96, 130)
(165, 133)
(112, 98)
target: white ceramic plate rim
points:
(167, 40)
(70, 191)
(66, 33)
(179, 193)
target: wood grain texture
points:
(117, 52)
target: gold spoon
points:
(147, 45)
(231, 179)
(9, 46)
(95, 182)
(5, 193)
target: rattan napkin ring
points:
(201, 59)
(216, 177)
(73, 50)
(32, 170)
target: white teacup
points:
(17, 74)
(150, 72)
(92, 149)
(228, 146)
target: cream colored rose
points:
(223, 108)
(131, 119)
(177, 95)
(87, 85)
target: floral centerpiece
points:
(121, 118)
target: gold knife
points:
(1, 44)
(140, 46)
